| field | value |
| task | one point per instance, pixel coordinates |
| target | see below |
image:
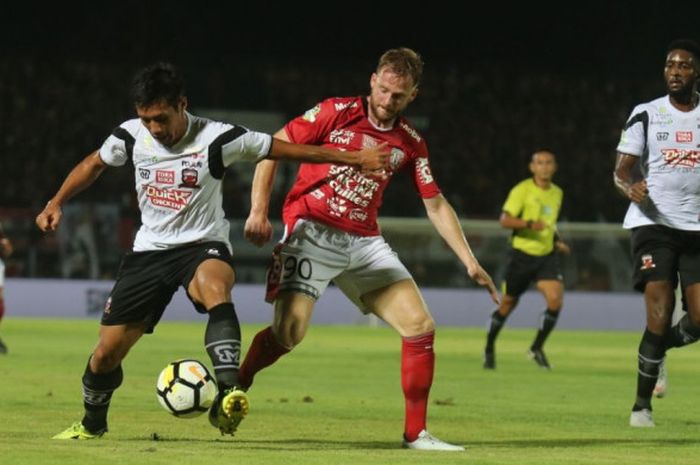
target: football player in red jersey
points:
(331, 233)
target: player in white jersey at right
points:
(179, 162)
(658, 170)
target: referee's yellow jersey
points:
(530, 202)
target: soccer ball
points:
(185, 388)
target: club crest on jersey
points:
(190, 177)
(174, 199)
(647, 262)
(662, 136)
(423, 168)
(396, 159)
(144, 173)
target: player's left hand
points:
(478, 274)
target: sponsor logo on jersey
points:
(423, 168)
(144, 173)
(681, 157)
(165, 176)
(192, 164)
(175, 199)
(108, 306)
(661, 136)
(647, 262)
(310, 115)
(684, 136)
(189, 178)
(358, 215)
(411, 132)
(337, 206)
(343, 106)
(349, 184)
(317, 194)
(341, 136)
(214, 252)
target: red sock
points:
(263, 352)
(417, 366)
(2, 308)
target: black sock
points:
(97, 392)
(684, 333)
(651, 354)
(549, 320)
(497, 322)
(223, 343)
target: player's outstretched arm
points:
(258, 229)
(368, 160)
(445, 220)
(80, 177)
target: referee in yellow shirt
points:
(531, 211)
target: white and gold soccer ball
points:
(185, 388)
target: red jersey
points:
(339, 195)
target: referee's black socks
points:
(497, 322)
(549, 321)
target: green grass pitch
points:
(337, 400)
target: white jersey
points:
(667, 141)
(179, 187)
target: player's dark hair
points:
(157, 82)
(404, 62)
(689, 45)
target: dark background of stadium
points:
(501, 80)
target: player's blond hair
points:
(404, 62)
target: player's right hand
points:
(257, 229)
(49, 218)
(638, 192)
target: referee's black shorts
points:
(660, 253)
(147, 281)
(523, 269)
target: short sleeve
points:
(634, 135)
(515, 202)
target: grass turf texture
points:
(337, 399)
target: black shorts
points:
(524, 269)
(147, 281)
(661, 253)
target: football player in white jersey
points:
(179, 161)
(658, 170)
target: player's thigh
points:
(656, 255)
(659, 299)
(553, 292)
(212, 283)
(401, 305)
(520, 272)
(311, 257)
